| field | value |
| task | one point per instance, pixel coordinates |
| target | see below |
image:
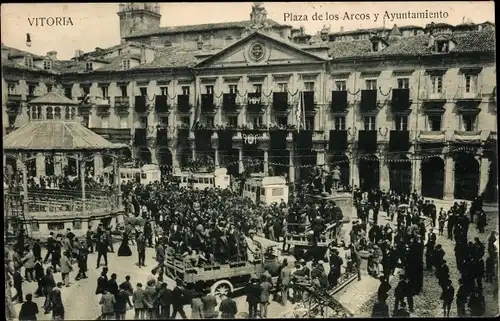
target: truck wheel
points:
(222, 287)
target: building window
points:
(283, 87)
(371, 84)
(105, 122)
(104, 90)
(144, 121)
(310, 123)
(185, 90)
(143, 91)
(49, 88)
(257, 88)
(123, 89)
(31, 90)
(47, 65)
(233, 121)
(209, 89)
(282, 121)
(401, 123)
(28, 62)
(309, 86)
(11, 89)
(434, 123)
(126, 64)
(341, 85)
(437, 84)
(89, 66)
(164, 91)
(470, 83)
(185, 121)
(469, 123)
(123, 122)
(70, 113)
(369, 123)
(403, 83)
(442, 46)
(233, 89)
(67, 92)
(339, 123)
(164, 121)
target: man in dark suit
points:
(102, 248)
(88, 238)
(102, 281)
(18, 285)
(141, 249)
(48, 286)
(178, 300)
(285, 276)
(50, 247)
(228, 308)
(252, 292)
(138, 300)
(112, 285)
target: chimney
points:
(52, 55)
(341, 29)
(78, 53)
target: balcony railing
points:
(207, 103)
(400, 100)
(367, 140)
(280, 101)
(140, 104)
(11, 98)
(435, 96)
(368, 100)
(474, 96)
(183, 105)
(309, 104)
(431, 137)
(254, 102)
(339, 101)
(122, 101)
(161, 104)
(467, 137)
(229, 102)
(338, 140)
(399, 140)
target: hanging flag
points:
(197, 112)
(28, 40)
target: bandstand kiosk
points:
(56, 131)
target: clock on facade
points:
(257, 51)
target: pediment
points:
(259, 49)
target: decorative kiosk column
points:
(82, 178)
(449, 178)
(291, 172)
(484, 174)
(98, 164)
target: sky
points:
(97, 25)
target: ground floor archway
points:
(466, 176)
(144, 155)
(400, 175)
(279, 161)
(432, 171)
(369, 173)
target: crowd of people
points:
(213, 226)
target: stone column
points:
(240, 160)
(449, 178)
(154, 157)
(320, 158)
(216, 160)
(82, 178)
(417, 177)
(98, 164)
(58, 166)
(384, 175)
(291, 172)
(40, 165)
(354, 172)
(266, 164)
(484, 174)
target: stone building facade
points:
(405, 108)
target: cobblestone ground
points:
(427, 303)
